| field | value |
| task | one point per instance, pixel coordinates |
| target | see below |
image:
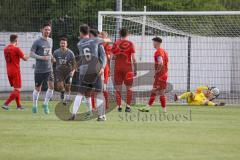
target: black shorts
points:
(96, 86)
(62, 76)
(43, 77)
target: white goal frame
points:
(144, 13)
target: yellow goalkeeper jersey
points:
(199, 97)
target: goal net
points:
(203, 48)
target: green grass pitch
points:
(212, 133)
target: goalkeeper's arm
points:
(210, 103)
(202, 88)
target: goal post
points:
(203, 47)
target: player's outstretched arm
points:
(35, 56)
(21, 54)
(26, 57)
(210, 103)
(221, 104)
(107, 40)
(102, 58)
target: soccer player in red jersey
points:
(108, 50)
(161, 75)
(124, 55)
(13, 54)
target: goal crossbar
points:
(170, 13)
(144, 13)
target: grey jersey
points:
(64, 61)
(42, 47)
(91, 56)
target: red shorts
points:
(106, 74)
(15, 80)
(160, 82)
(123, 75)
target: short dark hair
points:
(84, 29)
(63, 39)
(13, 38)
(46, 24)
(94, 32)
(123, 32)
(157, 39)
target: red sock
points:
(129, 96)
(105, 93)
(118, 98)
(18, 99)
(93, 101)
(163, 101)
(12, 96)
(152, 99)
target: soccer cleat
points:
(72, 118)
(101, 118)
(175, 97)
(20, 108)
(127, 109)
(5, 107)
(144, 109)
(119, 109)
(104, 117)
(45, 109)
(164, 110)
(34, 109)
(65, 102)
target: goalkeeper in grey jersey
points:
(92, 61)
(65, 67)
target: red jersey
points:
(123, 50)
(12, 56)
(161, 55)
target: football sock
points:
(62, 94)
(67, 97)
(100, 104)
(118, 98)
(152, 99)
(35, 97)
(77, 103)
(93, 101)
(163, 101)
(11, 97)
(48, 96)
(105, 93)
(18, 98)
(129, 96)
(89, 104)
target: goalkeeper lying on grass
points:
(202, 96)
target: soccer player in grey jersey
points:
(92, 62)
(65, 68)
(42, 51)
